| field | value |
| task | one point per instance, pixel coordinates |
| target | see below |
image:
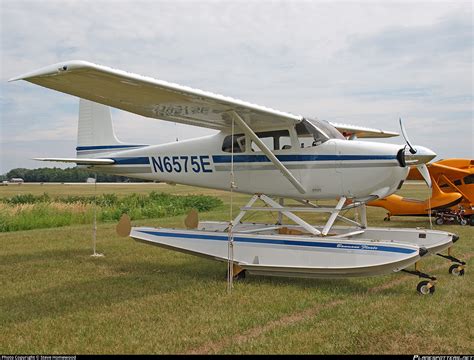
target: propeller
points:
(423, 169)
(405, 136)
(418, 156)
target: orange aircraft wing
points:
(436, 169)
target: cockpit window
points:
(309, 135)
(238, 143)
(327, 128)
(469, 179)
(274, 140)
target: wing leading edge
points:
(163, 100)
(153, 98)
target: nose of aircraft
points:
(423, 155)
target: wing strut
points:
(268, 152)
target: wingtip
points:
(53, 69)
(14, 79)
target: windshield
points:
(315, 132)
(329, 130)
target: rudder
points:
(95, 125)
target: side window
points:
(274, 140)
(469, 179)
(267, 140)
(285, 142)
(238, 142)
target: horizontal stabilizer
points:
(80, 161)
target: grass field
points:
(29, 211)
(56, 298)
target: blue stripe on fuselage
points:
(223, 159)
(220, 159)
(132, 161)
(340, 245)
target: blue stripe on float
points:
(106, 147)
(342, 246)
(219, 159)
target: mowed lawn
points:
(56, 298)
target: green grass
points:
(56, 298)
(28, 211)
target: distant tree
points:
(17, 173)
(74, 174)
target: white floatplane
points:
(269, 154)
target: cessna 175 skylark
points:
(269, 154)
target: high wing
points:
(153, 98)
(362, 132)
(438, 168)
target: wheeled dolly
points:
(424, 287)
(456, 269)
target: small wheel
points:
(471, 220)
(455, 270)
(439, 221)
(463, 222)
(425, 288)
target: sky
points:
(364, 63)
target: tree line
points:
(55, 174)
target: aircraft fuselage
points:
(335, 168)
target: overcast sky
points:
(363, 63)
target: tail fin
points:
(95, 125)
(95, 133)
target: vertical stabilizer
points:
(95, 125)
(95, 133)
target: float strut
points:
(452, 258)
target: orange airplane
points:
(452, 196)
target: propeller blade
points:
(412, 149)
(423, 169)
